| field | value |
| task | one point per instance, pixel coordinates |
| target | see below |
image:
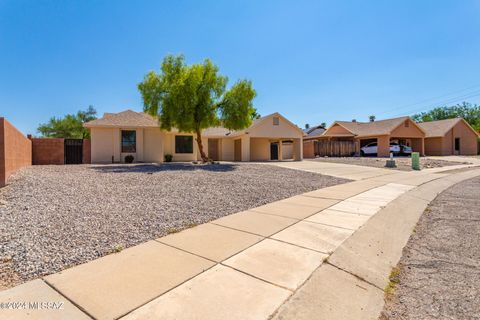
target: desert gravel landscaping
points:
(439, 274)
(403, 163)
(55, 217)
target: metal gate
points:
(73, 151)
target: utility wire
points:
(463, 96)
(445, 102)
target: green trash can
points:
(415, 161)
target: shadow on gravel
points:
(152, 168)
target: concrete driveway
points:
(357, 172)
(340, 170)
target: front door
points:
(274, 151)
(213, 149)
(457, 146)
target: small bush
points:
(168, 158)
(129, 159)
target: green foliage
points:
(469, 112)
(195, 97)
(168, 158)
(70, 126)
(129, 158)
(371, 118)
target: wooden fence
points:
(334, 148)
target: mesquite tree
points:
(194, 97)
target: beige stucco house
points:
(117, 135)
(402, 130)
(449, 137)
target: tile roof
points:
(127, 118)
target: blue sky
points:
(313, 61)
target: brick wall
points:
(48, 151)
(15, 151)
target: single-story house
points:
(117, 135)
(402, 130)
(312, 134)
(449, 137)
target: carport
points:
(401, 130)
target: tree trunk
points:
(200, 146)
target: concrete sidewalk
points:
(246, 265)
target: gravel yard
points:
(439, 273)
(403, 163)
(54, 217)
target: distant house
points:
(402, 130)
(449, 137)
(117, 135)
(312, 134)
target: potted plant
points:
(168, 158)
(129, 158)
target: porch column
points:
(383, 146)
(297, 149)
(245, 148)
(280, 150)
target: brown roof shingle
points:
(380, 127)
(127, 118)
(439, 128)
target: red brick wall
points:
(48, 151)
(15, 150)
(87, 155)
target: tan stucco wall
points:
(308, 149)
(169, 147)
(338, 129)
(245, 147)
(287, 151)
(106, 142)
(468, 139)
(418, 145)
(153, 145)
(434, 146)
(297, 149)
(227, 149)
(266, 129)
(443, 146)
(102, 146)
(259, 149)
(412, 131)
(383, 143)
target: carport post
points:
(280, 152)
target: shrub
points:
(129, 159)
(168, 158)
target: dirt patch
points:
(403, 163)
(440, 267)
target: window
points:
(183, 144)
(276, 121)
(129, 141)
